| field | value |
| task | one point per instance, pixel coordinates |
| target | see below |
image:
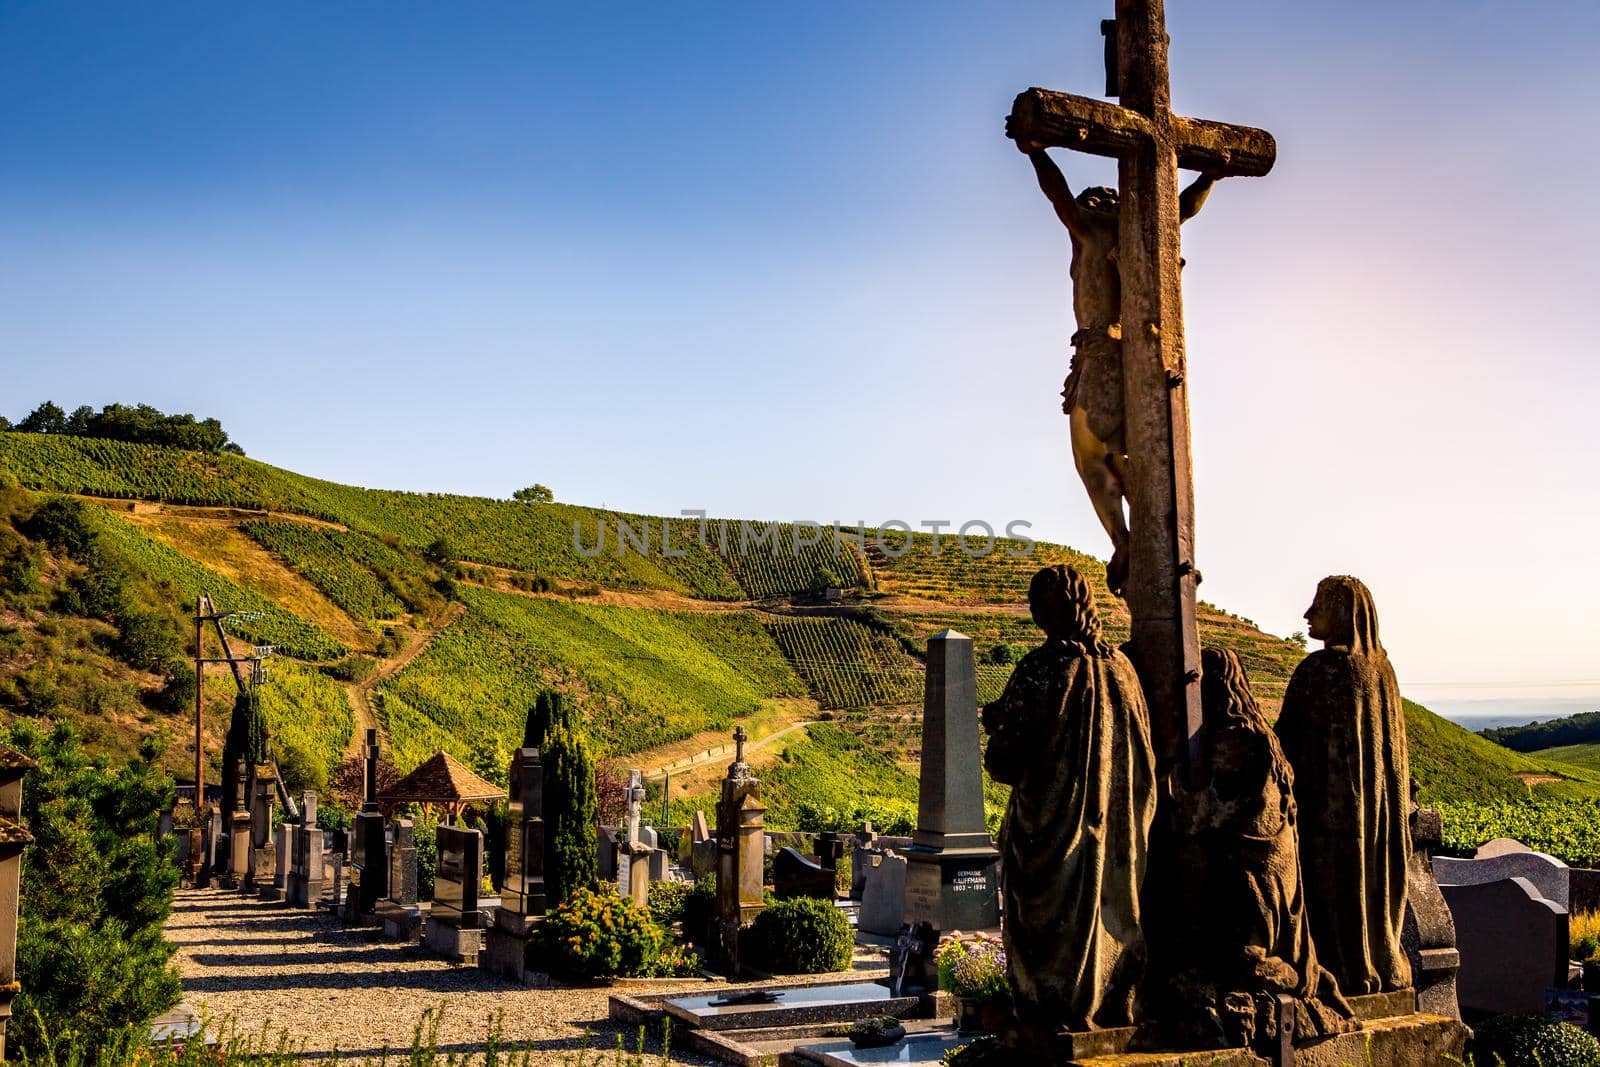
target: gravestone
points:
(368, 863)
(953, 868)
(1429, 933)
(633, 860)
(14, 837)
(263, 852)
(883, 891)
(702, 847)
(795, 876)
(399, 912)
(1548, 874)
(236, 843)
(403, 864)
(274, 889)
(741, 852)
(1500, 846)
(210, 848)
(455, 923)
(508, 941)
(607, 848)
(306, 878)
(1513, 945)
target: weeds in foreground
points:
(130, 1047)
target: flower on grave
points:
(972, 965)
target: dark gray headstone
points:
(369, 866)
(883, 891)
(523, 891)
(795, 876)
(1513, 945)
(458, 877)
(953, 868)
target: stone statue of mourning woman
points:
(1071, 736)
(1343, 731)
(1252, 967)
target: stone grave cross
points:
(739, 738)
(1150, 143)
(635, 804)
(369, 776)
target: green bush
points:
(601, 935)
(803, 935)
(666, 900)
(96, 888)
(1530, 1039)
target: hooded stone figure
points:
(1071, 735)
(1343, 730)
(1248, 940)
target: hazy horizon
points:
(782, 264)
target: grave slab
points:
(1549, 875)
(797, 1005)
(1513, 945)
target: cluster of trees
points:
(97, 887)
(534, 494)
(141, 424)
(110, 588)
(1581, 729)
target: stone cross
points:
(739, 738)
(369, 778)
(1150, 143)
(635, 804)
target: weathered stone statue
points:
(1092, 396)
(1071, 735)
(1343, 730)
(1248, 939)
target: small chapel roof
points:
(441, 779)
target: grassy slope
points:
(645, 677)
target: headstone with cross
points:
(741, 851)
(1150, 143)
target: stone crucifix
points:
(1150, 143)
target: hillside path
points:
(358, 693)
(716, 752)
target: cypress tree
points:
(245, 745)
(569, 814)
(547, 713)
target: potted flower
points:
(973, 968)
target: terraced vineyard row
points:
(642, 677)
(309, 717)
(954, 576)
(269, 624)
(344, 565)
(777, 559)
(848, 664)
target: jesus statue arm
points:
(1192, 199)
(1056, 190)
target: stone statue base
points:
(1407, 1039)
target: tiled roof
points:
(441, 779)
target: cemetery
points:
(297, 771)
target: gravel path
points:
(263, 966)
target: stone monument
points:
(14, 837)
(306, 871)
(741, 852)
(637, 848)
(263, 861)
(369, 860)
(522, 895)
(455, 926)
(952, 867)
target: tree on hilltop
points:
(46, 418)
(534, 494)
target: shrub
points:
(699, 909)
(1584, 932)
(1531, 1039)
(803, 935)
(666, 900)
(601, 935)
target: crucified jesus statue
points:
(1092, 395)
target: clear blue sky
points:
(778, 261)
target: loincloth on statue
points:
(1094, 382)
